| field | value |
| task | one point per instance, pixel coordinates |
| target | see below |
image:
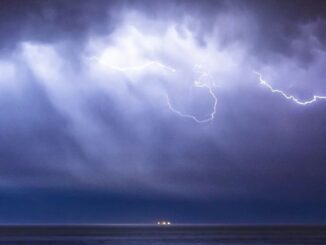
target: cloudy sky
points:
(192, 111)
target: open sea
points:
(162, 235)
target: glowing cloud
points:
(197, 84)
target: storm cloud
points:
(83, 107)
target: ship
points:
(163, 222)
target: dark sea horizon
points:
(162, 235)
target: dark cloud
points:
(54, 21)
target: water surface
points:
(162, 235)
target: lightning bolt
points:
(197, 84)
(286, 96)
(133, 68)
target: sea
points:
(161, 235)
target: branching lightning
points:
(199, 83)
(289, 97)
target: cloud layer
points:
(84, 106)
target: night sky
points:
(190, 111)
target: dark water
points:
(157, 235)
